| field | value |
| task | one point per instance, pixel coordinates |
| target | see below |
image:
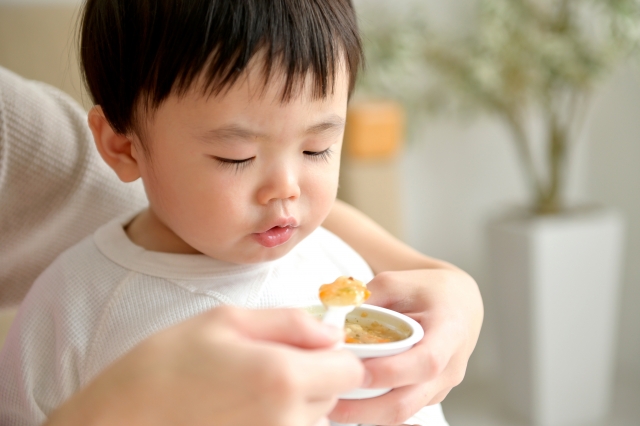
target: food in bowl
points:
(365, 315)
(371, 333)
(349, 292)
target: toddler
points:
(232, 113)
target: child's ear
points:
(116, 149)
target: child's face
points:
(243, 177)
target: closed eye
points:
(230, 162)
(319, 155)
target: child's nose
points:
(279, 184)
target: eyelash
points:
(319, 156)
(239, 165)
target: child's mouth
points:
(275, 236)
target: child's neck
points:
(147, 231)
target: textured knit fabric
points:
(54, 187)
(105, 295)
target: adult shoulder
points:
(54, 187)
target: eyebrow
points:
(335, 122)
(236, 131)
(232, 131)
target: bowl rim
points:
(417, 332)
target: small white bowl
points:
(387, 317)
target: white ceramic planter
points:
(557, 281)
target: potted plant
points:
(533, 64)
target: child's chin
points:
(261, 254)
(272, 253)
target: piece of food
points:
(345, 291)
(370, 333)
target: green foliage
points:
(520, 56)
(526, 51)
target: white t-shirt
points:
(104, 295)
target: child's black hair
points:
(137, 52)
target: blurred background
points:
(446, 163)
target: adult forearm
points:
(381, 250)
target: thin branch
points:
(579, 116)
(524, 151)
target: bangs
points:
(140, 51)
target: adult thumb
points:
(292, 327)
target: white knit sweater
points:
(54, 187)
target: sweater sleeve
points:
(54, 187)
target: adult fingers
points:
(303, 384)
(440, 397)
(392, 408)
(317, 412)
(423, 363)
(288, 326)
(322, 422)
(385, 289)
(395, 406)
(324, 374)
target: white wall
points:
(614, 179)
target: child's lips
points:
(275, 236)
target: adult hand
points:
(441, 300)
(226, 367)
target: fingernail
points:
(368, 378)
